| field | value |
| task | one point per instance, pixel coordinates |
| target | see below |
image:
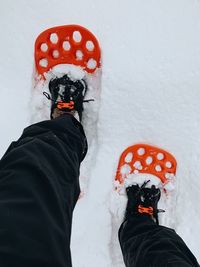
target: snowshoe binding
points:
(143, 200)
(67, 96)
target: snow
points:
(141, 151)
(75, 72)
(129, 157)
(150, 94)
(54, 38)
(149, 160)
(141, 178)
(90, 45)
(44, 47)
(43, 62)
(77, 36)
(91, 64)
(158, 168)
(138, 165)
(79, 54)
(168, 164)
(160, 156)
(66, 45)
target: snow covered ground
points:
(150, 93)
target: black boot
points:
(143, 201)
(67, 95)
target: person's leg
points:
(144, 243)
(39, 187)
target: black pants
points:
(39, 187)
(146, 244)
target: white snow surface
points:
(150, 91)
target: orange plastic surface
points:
(137, 159)
(60, 45)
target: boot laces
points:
(47, 95)
(67, 93)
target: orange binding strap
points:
(142, 158)
(148, 210)
(69, 105)
(70, 44)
